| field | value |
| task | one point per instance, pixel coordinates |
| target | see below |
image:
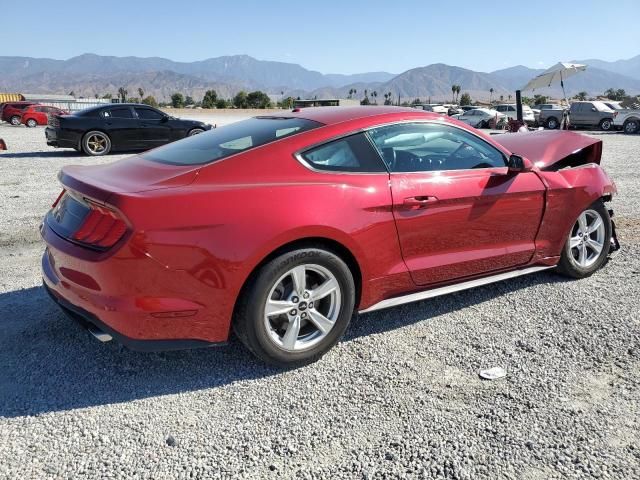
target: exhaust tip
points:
(99, 334)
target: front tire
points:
(606, 124)
(631, 126)
(96, 143)
(194, 131)
(15, 120)
(296, 307)
(588, 243)
(31, 123)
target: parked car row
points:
(591, 114)
(27, 113)
(481, 117)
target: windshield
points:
(225, 141)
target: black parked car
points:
(119, 126)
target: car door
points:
(123, 128)
(579, 113)
(155, 127)
(458, 211)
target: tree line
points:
(255, 99)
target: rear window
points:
(222, 142)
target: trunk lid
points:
(130, 175)
(553, 149)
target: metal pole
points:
(519, 106)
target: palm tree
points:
(458, 88)
(374, 94)
(141, 93)
(491, 95)
(122, 93)
(509, 97)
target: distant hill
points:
(90, 74)
(593, 81)
(159, 84)
(628, 68)
(435, 81)
(241, 70)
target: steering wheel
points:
(463, 145)
(410, 162)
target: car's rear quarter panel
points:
(223, 225)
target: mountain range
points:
(89, 74)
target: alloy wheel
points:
(195, 131)
(302, 307)
(632, 126)
(586, 240)
(97, 143)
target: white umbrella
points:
(556, 74)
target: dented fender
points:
(568, 193)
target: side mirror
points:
(593, 109)
(518, 164)
(165, 119)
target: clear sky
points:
(327, 35)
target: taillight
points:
(102, 227)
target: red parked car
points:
(35, 115)
(12, 111)
(282, 226)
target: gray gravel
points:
(400, 397)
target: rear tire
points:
(606, 124)
(631, 126)
(96, 143)
(552, 123)
(15, 120)
(588, 242)
(284, 315)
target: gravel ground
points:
(400, 397)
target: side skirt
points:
(436, 292)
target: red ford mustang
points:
(282, 226)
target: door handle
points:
(420, 201)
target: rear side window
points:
(148, 114)
(222, 142)
(119, 113)
(350, 154)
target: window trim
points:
(298, 153)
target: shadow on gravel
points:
(49, 363)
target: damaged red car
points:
(281, 227)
